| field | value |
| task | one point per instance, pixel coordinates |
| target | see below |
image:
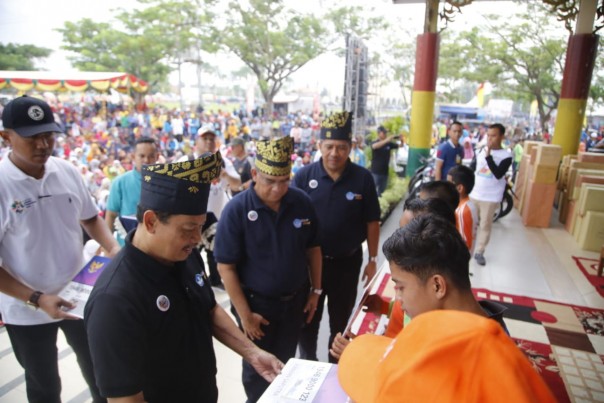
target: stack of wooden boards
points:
(581, 198)
(536, 183)
(578, 191)
(576, 187)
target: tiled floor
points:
(520, 261)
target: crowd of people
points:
(283, 247)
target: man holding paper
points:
(44, 205)
(152, 314)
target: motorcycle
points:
(425, 173)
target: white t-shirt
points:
(178, 126)
(486, 186)
(219, 196)
(40, 233)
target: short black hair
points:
(145, 140)
(434, 206)
(162, 216)
(456, 122)
(443, 190)
(499, 127)
(462, 175)
(429, 245)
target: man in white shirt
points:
(492, 163)
(218, 198)
(44, 205)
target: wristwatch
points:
(317, 291)
(373, 259)
(33, 299)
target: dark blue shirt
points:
(344, 206)
(450, 156)
(268, 248)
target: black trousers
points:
(339, 281)
(35, 348)
(280, 335)
(214, 275)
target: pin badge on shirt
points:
(252, 215)
(350, 196)
(199, 279)
(313, 183)
(298, 223)
(163, 303)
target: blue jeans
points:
(381, 183)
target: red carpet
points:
(565, 343)
(589, 268)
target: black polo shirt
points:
(344, 206)
(268, 248)
(381, 158)
(149, 329)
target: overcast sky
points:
(35, 21)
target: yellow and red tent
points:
(71, 81)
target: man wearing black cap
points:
(267, 252)
(152, 313)
(380, 160)
(44, 203)
(344, 195)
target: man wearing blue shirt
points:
(450, 153)
(267, 250)
(346, 200)
(126, 189)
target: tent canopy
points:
(71, 81)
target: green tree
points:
(275, 41)
(596, 91)
(20, 57)
(524, 59)
(148, 42)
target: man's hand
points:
(311, 306)
(56, 307)
(251, 326)
(113, 251)
(267, 365)
(369, 272)
(339, 344)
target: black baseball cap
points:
(29, 116)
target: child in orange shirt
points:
(465, 213)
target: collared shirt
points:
(380, 159)
(268, 248)
(40, 232)
(344, 206)
(150, 329)
(451, 155)
(125, 193)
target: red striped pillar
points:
(578, 69)
(422, 101)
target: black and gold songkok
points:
(274, 157)
(337, 126)
(181, 187)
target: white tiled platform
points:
(521, 261)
